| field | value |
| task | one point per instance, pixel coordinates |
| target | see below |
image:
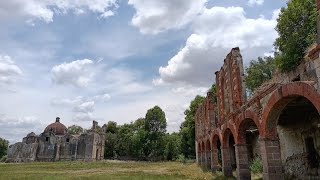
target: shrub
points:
(256, 165)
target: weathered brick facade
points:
(280, 123)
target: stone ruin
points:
(55, 144)
(280, 123)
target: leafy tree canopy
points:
(155, 121)
(3, 147)
(187, 128)
(297, 31)
(259, 71)
(75, 129)
(111, 127)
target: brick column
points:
(226, 162)
(271, 158)
(242, 158)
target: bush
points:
(4, 158)
(181, 158)
(256, 166)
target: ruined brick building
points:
(280, 122)
(56, 144)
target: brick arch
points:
(279, 99)
(249, 116)
(208, 139)
(214, 141)
(226, 132)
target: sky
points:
(112, 60)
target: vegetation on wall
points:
(75, 129)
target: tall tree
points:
(155, 127)
(297, 31)
(187, 128)
(111, 127)
(3, 147)
(259, 71)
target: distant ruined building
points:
(56, 144)
(280, 123)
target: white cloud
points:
(84, 107)
(45, 10)
(75, 73)
(216, 31)
(154, 16)
(103, 98)
(255, 2)
(80, 117)
(9, 71)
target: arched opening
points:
(299, 136)
(249, 136)
(97, 155)
(208, 154)
(248, 148)
(228, 154)
(290, 132)
(232, 152)
(216, 154)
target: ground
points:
(102, 170)
(114, 170)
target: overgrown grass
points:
(114, 170)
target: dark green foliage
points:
(75, 129)
(111, 127)
(110, 145)
(187, 129)
(155, 121)
(213, 89)
(143, 139)
(155, 125)
(297, 31)
(172, 148)
(3, 147)
(259, 71)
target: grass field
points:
(114, 170)
(102, 170)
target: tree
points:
(155, 127)
(259, 71)
(75, 129)
(111, 127)
(110, 145)
(172, 147)
(297, 31)
(187, 128)
(3, 147)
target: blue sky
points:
(108, 60)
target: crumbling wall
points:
(22, 152)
